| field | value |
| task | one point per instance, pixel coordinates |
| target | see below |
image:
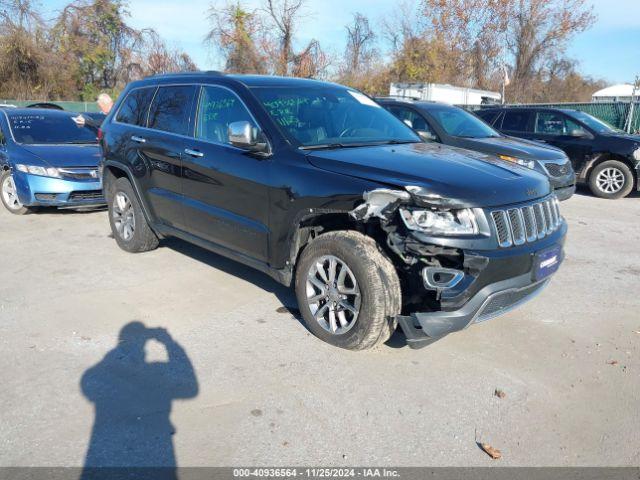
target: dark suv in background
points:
(318, 186)
(605, 158)
(453, 126)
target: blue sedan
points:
(47, 159)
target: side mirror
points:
(408, 123)
(578, 133)
(427, 136)
(246, 136)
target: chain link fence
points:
(69, 106)
(614, 113)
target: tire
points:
(8, 195)
(611, 179)
(128, 223)
(376, 280)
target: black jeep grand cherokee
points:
(318, 186)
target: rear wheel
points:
(128, 223)
(347, 290)
(9, 194)
(611, 179)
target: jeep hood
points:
(61, 156)
(459, 177)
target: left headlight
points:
(636, 154)
(434, 222)
(41, 171)
(525, 163)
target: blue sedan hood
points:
(465, 178)
(62, 156)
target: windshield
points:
(594, 123)
(332, 117)
(48, 128)
(460, 123)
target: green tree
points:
(234, 33)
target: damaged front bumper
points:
(506, 279)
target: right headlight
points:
(524, 163)
(40, 171)
(436, 222)
(636, 154)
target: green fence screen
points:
(69, 106)
(614, 113)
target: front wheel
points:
(611, 179)
(128, 223)
(348, 291)
(9, 194)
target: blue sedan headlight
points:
(525, 163)
(41, 171)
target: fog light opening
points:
(436, 278)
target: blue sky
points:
(609, 50)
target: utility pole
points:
(628, 126)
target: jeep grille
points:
(516, 226)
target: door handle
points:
(193, 153)
(138, 139)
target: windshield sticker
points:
(363, 99)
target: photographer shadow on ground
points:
(132, 399)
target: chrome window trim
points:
(199, 86)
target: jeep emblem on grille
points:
(532, 192)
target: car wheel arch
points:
(113, 172)
(603, 157)
(312, 225)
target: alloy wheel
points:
(333, 295)
(610, 180)
(10, 193)
(123, 216)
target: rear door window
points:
(171, 109)
(516, 121)
(135, 107)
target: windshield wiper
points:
(397, 142)
(327, 146)
(80, 142)
(324, 146)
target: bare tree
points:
(156, 58)
(283, 15)
(539, 31)
(360, 48)
(312, 62)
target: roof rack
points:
(185, 74)
(400, 97)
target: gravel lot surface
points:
(234, 381)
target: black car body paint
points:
(585, 151)
(262, 208)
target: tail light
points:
(100, 134)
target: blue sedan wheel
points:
(9, 194)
